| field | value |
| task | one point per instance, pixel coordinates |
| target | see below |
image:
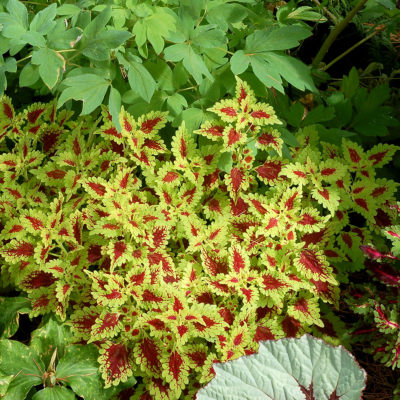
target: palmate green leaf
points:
(7, 65)
(263, 52)
(224, 15)
(34, 39)
(50, 65)
(239, 62)
(141, 81)
(155, 28)
(80, 365)
(281, 38)
(192, 61)
(59, 38)
(43, 21)
(28, 75)
(10, 308)
(289, 369)
(208, 36)
(54, 393)
(114, 105)
(15, 22)
(98, 47)
(89, 88)
(17, 359)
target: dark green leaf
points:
(54, 393)
(17, 360)
(49, 337)
(80, 367)
(319, 114)
(10, 308)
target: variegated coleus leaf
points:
(115, 363)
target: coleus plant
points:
(172, 259)
(378, 302)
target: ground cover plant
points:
(245, 191)
(165, 261)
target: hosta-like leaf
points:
(10, 308)
(289, 369)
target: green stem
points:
(351, 49)
(335, 33)
(327, 12)
(23, 59)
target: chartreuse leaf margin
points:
(170, 257)
(289, 369)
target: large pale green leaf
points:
(54, 393)
(50, 65)
(18, 360)
(10, 308)
(90, 88)
(289, 369)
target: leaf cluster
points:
(173, 257)
(145, 55)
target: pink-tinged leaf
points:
(115, 362)
(229, 111)
(384, 272)
(382, 322)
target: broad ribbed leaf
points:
(10, 308)
(289, 369)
